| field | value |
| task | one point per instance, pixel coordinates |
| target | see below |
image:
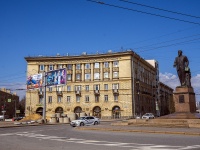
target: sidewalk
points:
(121, 128)
(140, 129)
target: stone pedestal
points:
(185, 104)
(184, 100)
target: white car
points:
(148, 116)
(86, 120)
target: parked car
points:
(3, 117)
(17, 118)
(86, 120)
(148, 116)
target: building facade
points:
(9, 103)
(111, 85)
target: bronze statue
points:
(181, 63)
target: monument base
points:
(181, 115)
(184, 100)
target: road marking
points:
(132, 146)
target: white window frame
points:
(78, 76)
(87, 99)
(51, 67)
(69, 66)
(115, 74)
(96, 87)
(106, 98)
(106, 75)
(78, 66)
(49, 99)
(78, 99)
(115, 63)
(87, 88)
(116, 98)
(106, 87)
(106, 64)
(59, 99)
(68, 88)
(41, 67)
(97, 75)
(69, 77)
(87, 66)
(96, 65)
(87, 76)
(115, 86)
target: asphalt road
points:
(65, 137)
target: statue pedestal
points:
(185, 104)
(184, 100)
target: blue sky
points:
(48, 27)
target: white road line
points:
(132, 146)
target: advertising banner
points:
(34, 81)
(56, 77)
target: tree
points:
(22, 105)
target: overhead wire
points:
(174, 12)
(143, 12)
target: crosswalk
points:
(130, 146)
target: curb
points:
(139, 131)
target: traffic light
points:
(2, 107)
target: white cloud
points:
(172, 81)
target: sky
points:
(154, 29)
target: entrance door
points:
(116, 112)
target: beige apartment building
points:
(110, 85)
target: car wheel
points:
(95, 123)
(81, 124)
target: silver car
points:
(148, 116)
(86, 120)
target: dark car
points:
(17, 118)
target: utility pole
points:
(44, 101)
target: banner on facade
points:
(56, 77)
(34, 81)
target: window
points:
(96, 65)
(106, 65)
(78, 66)
(87, 88)
(69, 67)
(115, 74)
(69, 77)
(50, 99)
(87, 66)
(50, 67)
(40, 100)
(50, 89)
(106, 98)
(115, 98)
(105, 86)
(105, 75)
(59, 66)
(96, 98)
(41, 67)
(96, 87)
(68, 88)
(68, 99)
(78, 76)
(115, 86)
(59, 88)
(59, 99)
(86, 98)
(78, 99)
(97, 75)
(87, 76)
(115, 63)
(78, 88)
